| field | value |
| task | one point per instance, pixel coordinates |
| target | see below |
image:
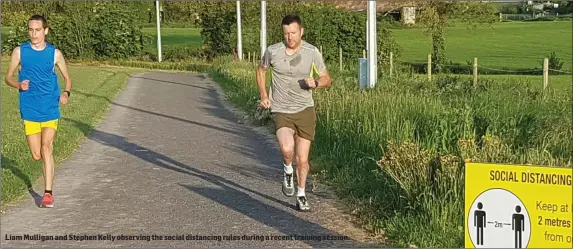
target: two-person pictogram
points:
(517, 224)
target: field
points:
(92, 87)
(510, 45)
(174, 37)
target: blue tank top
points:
(40, 102)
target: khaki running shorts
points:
(303, 122)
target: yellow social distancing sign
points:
(514, 206)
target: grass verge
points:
(396, 153)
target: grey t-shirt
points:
(289, 92)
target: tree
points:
(436, 14)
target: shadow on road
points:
(173, 82)
(233, 195)
(214, 105)
(253, 146)
(162, 115)
(158, 159)
(10, 164)
(285, 223)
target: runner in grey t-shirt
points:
(293, 62)
(289, 92)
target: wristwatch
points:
(66, 91)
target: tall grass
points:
(397, 152)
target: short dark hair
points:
(288, 19)
(39, 18)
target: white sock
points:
(288, 168)
(300, 192)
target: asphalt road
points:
(172, 166)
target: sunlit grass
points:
(378, 147)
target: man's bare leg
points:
(286, 140)
(302, 165)
(48, 135)
(302, 169)
(35, 145)
(285, 136)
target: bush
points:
(325, 26)
(422, 175)
(116, 32)
(554, 62)
(216, 30)
(110, 30)
(180, 13)
(14, 38)
(182, 53)
(12, 19)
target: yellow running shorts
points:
(36, 127)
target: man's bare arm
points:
(261, 81)
(324, 80)
(61, 63)
(14, 63)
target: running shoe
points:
(288, 184)
(302, 203)
(47, 201)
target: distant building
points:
(405, 11)
(542, 4)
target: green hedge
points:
(110, 30)
(326, 26)
(113, 29)
(176, 13)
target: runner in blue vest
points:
(40, 95)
